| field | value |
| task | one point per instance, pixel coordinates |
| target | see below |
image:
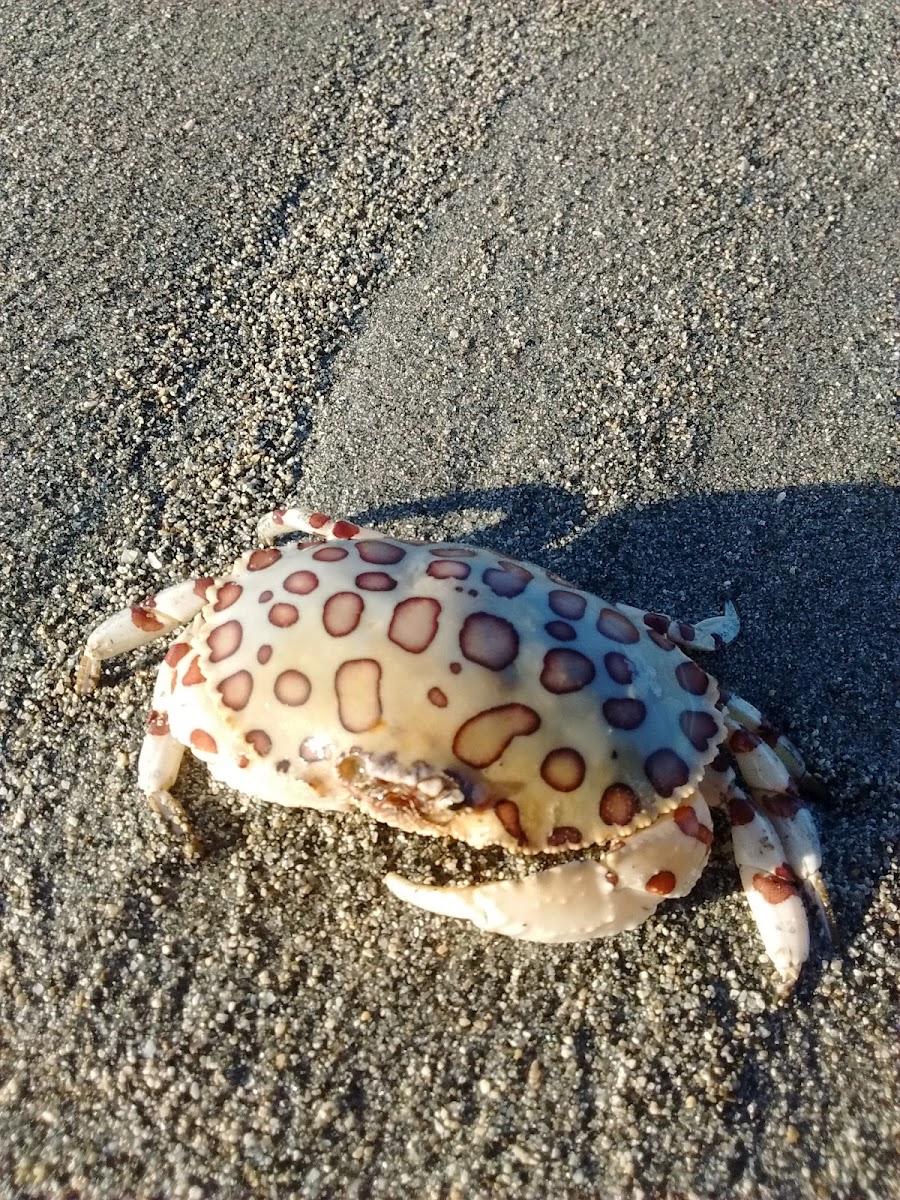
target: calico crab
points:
(454, 691)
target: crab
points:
(457, 692)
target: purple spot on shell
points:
(567, 604)
(488, 640)
(561, 630)
(666, 771)
(692, 678)
(616, 627)
(624, 713)
(699, 728)
(379, 553)
(566, 671)
(619, 667)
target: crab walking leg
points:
(769, 886)
(710, 634)
(775, 793)
(160, 759)
(138, 625)
(306, 520)
(742, 712)
(581, 900)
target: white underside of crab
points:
(452, 691)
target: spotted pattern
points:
(193, 675)
(691, 825)
(292, 688)
(380, 553)
(565, 835)
(562, 631)
(330, 554)
(619, 805)
(282, 616)
(357, 684)
(176, 653)
(699, 728)
(563, 769)
(482, 739)
(263, 654)
(266, 596)
(260, 559)
(617, 627)
(666, 771)
(619, 667)
(157, 723)
(203, 741)
(452, 552)
(566, 671)
(376, 581)
(437, 697)
(775, 888)
(301, 583)
(488, 640)
(508, 580)
(228, 594)
(742, 741)
(661, 640)
(345, 529)
(414, 623)
(341, 613)
(448, 569)
(740, 811)
(569, 605)
(692, 678)
(508, 815)
(260, 741)
(145, 620)
(661, 884)
(225, 640)
(625, 713)
(236, 690)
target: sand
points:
(607, 286)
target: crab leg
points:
(306, 520)
(138, 625)
(770, 887)
(160, 759)
(585, 899)
(710, 634)
(742, 712)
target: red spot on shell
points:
(508, 815)
(563, 769)
(176, 653)
(342, 612)
(236, 690)
(661, 884)
(203, 741)
(565, 835)
(260, 559)
(742, 741)
(455, 668)
(617, 627)
(690, 825)
(414, 623)
(699, 728)
(263, 654)
(301, 583)
(278, 516)
(202, 586)
(193, 674)
(508, 580)
(624, 713)
(658, 621)
(686, 632)
(260, 741)
(283, 616)
(619, 667)
(157, 723)
(330, 553)
(692, 678)
(375, 581)
(383, 554)
(781, 805)
(448, 569)
(145, 620)
(317, 520)
(482, 739)
(566, 671)
(618, 805)
(437, 697)
(488, 640)
(344, 529)
(292, 688)
(661, 640)
(224, 640)
(569, 605)
(227, 595)
(266, 596)
(666, 771)
(357, 684)
(452, 552)
(775, 888)
(740, 811)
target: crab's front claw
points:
(573, 902)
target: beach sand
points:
(607, 286)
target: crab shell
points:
(443, 689)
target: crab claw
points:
(570, 903)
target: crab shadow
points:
(814, 576)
